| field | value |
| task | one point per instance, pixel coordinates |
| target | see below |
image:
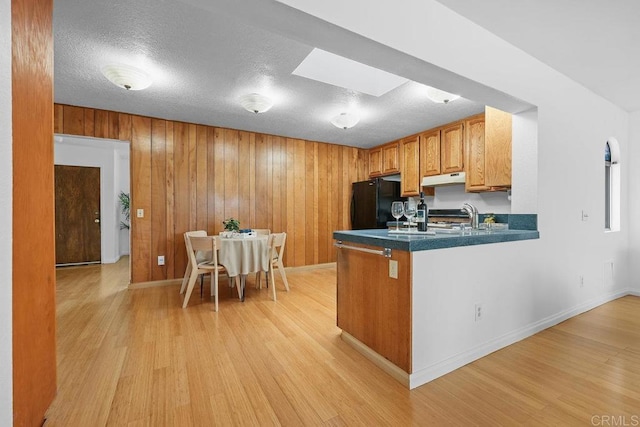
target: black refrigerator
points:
(371, 203)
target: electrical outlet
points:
(160, 259)
(393, 269)
(479, 313)
(581, 282)
(140, 213)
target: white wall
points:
(122, 185)
(634, 198)
(524, 168)
(6, 226)
(524, 285)
(75, 151)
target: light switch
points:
(140, 213)
(393, 269)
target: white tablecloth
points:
(244, 255)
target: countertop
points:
(411, 243)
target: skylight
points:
(336, 70)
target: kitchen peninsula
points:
(407, 302)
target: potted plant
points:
(124, 207)
(231, 226)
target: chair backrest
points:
(278, 241)
(262, 231)
(205, 245)
(197, 233)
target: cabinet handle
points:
(386, 252)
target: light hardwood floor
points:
(135, 357)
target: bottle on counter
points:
(421, 214)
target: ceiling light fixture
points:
(345, 120)
(256, 103)
(126, 76)
(440, 96)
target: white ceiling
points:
(594, 42)
(203, 55)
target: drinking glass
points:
(409, 211)
(397, 210)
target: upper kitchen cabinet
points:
(497, 149)
(430, 153)
(390, 158)
(474, 149)
(410, 166)
(452, 148)
(384, 159)
(375, 161)
(488, 151)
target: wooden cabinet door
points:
(373, 307)
(390, 158)
(410, 166)
(452, 148)
(474, 152)
(375, 161)
(498, 136)
(430, 153)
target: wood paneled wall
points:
(187, 177)
(34, 287)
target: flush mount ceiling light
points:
(256, 103)
(345, 120)
(126, 76)
(440, 96)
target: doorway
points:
(77, 198)
(112, 158)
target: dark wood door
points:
(77, 214)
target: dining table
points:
(241, 255)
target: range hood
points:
(446, 179)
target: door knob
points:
(96, 220)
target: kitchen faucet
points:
(473, 214)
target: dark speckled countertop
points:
(384, 239)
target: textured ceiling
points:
(595, 42)
(204, 55)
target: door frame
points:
(105, 154)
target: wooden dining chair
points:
(276, 244)
(203, 245)
(261, 231)
(199, 257)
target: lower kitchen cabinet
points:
(373, 307)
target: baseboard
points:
(155, 284)
(376, 358)
(311, 267)
(110, 260)
(430, 373)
